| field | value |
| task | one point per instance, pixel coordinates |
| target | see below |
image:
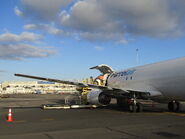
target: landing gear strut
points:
(174, 106)
(135, 106)
(131, 102)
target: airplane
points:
(162, 82)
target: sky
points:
(63, 38)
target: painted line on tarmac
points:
(147, 113)
(153, 113)
(131, 113)
(20, 121)
(166, 113)
(116, 112)
(176, 114)
(47, 119)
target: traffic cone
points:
(9, 116)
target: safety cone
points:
(9, 116)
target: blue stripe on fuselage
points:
(123, 73)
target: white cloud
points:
(23, 51)
(138, 17)
(102, 20)
(24, 36)
(84, 15)
(18, 12)
(144, 17)
(45, 27)
(42, 9)
(101, 36)
(20, 47)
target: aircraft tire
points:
(132, 107)
(174, 106)
(139, 107)
(178, 106)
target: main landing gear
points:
(134, 106)
(130, 103)
(174, 106)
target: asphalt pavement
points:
(30, 121)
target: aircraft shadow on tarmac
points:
(112, 107)
(157, 109)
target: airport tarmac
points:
(30, 121)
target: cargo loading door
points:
(104, 69)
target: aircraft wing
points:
(65, 82)
(109, 90)
(114, 92)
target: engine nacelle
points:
(98, 98)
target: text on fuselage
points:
(123, 73)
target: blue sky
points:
(64, 38)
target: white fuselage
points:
(164, 78)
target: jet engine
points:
(98, 98)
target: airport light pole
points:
(137, 56)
